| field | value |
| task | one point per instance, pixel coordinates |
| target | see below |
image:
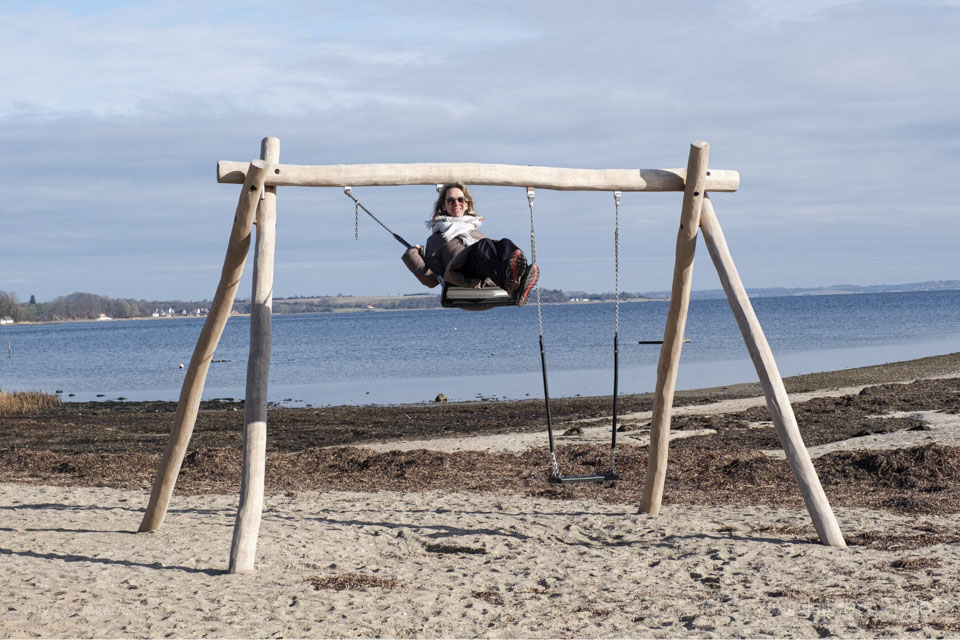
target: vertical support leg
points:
(777, 399)
(246, 529)
(220, 308)
(673, 334)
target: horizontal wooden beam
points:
(380, 175)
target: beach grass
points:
(14, 402)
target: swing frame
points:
(257, 203)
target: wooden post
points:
(776, 394)
(220, 308)
(676, 321)
(246, 529)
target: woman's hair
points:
(442, 199)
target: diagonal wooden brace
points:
(778, 401)
(220, 308)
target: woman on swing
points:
(460, 255)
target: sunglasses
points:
(459, 200)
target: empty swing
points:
(450, 296)
(555, 475)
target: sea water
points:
(393, 357)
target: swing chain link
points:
(616, 264)
(554, 467)
(533, 236)
(533, 260)
(347, 191)
(616, 259)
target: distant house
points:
(7, 320)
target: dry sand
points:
(449, 564)
(459, 565)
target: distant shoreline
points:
(78, 320)
(344, 309)
(354, 304)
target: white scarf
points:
(449, 227)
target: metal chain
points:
(554, 466)
(348, 191)
(616, 258)
(533, 257)
(616, 266)
(357, 206)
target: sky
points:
(843, 119)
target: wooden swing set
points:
(257, 205)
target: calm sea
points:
(411, 356)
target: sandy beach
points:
(436, 532)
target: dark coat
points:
(440, 258)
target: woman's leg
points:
(497, 260)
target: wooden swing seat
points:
(474, 299)
(597, 477)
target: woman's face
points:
(455, 204)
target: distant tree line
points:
(9, 307)
(610, 296)
(416, 301)
(330, 304)
(89, 306)
(413, 302)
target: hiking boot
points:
(515, 268)
(530, 276)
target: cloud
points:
(149, 59)
(838, 115)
